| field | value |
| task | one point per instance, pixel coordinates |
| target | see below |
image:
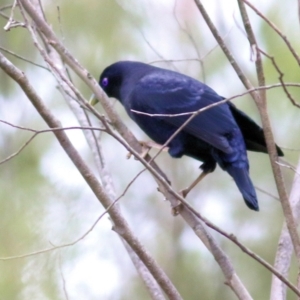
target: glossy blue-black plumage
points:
(219, 134)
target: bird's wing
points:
(171, 96)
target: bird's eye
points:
(104, 82)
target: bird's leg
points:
(184, 192)
(177, 208)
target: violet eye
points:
(104, 82)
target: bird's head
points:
(111, 81)
(118, 79)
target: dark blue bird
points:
(218, 135)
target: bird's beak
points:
(93, 100)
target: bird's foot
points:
(184, 192)
(177, 209)
(146, 147)
(128, 155)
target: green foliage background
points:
(44, 201)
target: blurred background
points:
(45, 202)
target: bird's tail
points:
(245, 185)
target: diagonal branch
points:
(119, 222)
(262, 107)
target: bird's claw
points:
(128, 155)
(146, 147)
(184, 192)
(176, 209)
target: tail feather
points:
(245, 185)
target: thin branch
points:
(37, 132)
(54, 248)
(290, 149)
(223, 46)
(11, 22)
(4, 15)
(217, 103)
(266, 193)
(78, 239)
(4, 7)
(23, 58)
(174, 60)
(281, 75)
(233, 239)
(288, 167)
(273, 26)
(151, 47)
(62, 277)
(192, 40)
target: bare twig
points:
(217, 103)
(283, 84)
(224, 48)
(290, 149)
(11, 22)
(3, 15)
(58, 247)
(288, 167)
(4, 7)
(62, 277)
(23, 58)
(37, 132)
(266, 193)
(192, 40)
(273, 26)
